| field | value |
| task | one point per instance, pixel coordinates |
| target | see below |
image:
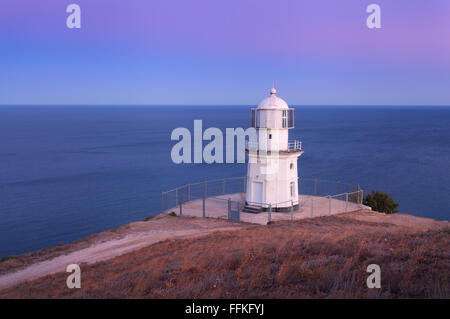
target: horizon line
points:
(255, 104)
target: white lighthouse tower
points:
(272, 176)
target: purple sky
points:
(224, 52)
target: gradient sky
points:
(225, 52)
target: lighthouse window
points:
(270, 136)
(292, 189)
(284, 118)
(292, 166)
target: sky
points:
(162, 52)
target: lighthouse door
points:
(257, 192)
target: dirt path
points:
(138, 235)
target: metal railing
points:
(292, 146)
(210, 198)
(199, 190)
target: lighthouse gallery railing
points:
(292, 146)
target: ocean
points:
(67, 172)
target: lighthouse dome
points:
(273, 102)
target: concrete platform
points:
(217, 207)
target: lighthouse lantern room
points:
(272, 175)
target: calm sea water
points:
(68, 172)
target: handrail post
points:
(238, 211)
(204, 207)
(358, 200)
(346, 202)
(361, 198)
(181, 204)
(189, 192)
(176, 196)
(329, 205)
(312, 207)
(205, 189)
(315, 186)
(269, 214)
(229, 208)
(292, 210)
(223, 186)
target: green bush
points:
(173, 214)
(381, 202)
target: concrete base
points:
(266, 209)
(217, 207)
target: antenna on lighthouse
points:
(273, 91)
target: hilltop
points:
(312, 258)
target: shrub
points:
(381, 202)
(172, 214)
(2, 259)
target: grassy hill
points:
(323, 257)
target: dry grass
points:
(317, 258)
(157, 228)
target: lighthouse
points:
(272, 174)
